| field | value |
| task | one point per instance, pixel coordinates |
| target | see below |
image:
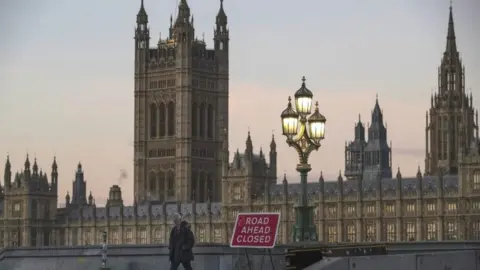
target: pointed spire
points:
(451, 40)
(142, 17)
(27, 163)
(320, 179)
(54, 164)
(249, 143)
(35, 166)
(183, 15)
(273, 144)
(419, 172)
(7, 163)
(67, 198)
(285, 182)
(221, 16)
(340, 178)
(90, 198)
(399, 174)
(79, 167)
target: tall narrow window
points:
(194, 182)
(194, 119)
(171, 118)
(209, 186)
(210, 125)
(153, 120)
(162, 121)
(202, 186)
(202, 120)
(161, 185)
(152, 178)
(445, 126)
(171, 183)
(476, 181)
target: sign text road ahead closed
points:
(255, 230)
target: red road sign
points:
(255, 230)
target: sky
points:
(66, 76)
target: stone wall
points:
(452, 260)
(422, 255)
(138, 257)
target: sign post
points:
(256, 230)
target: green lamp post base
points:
(304, 229)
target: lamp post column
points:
(304, 229)
(304, 134)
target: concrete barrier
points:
(451, 260)
(212, 256)
(138, 257)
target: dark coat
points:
(181, 243)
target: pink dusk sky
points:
(66, 76)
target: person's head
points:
(177, 219)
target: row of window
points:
(162, 84)
(203, 153)
(389, 232)
(202, 185)
(161, 184)
(203, 118)
(389, 208)
(208, 84)
(158, 236)
(162, 119)
(170, 152)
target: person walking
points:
(181, 243)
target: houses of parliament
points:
(182, 164)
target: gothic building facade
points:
(369, 205)
(181, 109)
(373, 158)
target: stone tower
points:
(30, 204)
(181, 110)
(377, 154)
(450, 121)
(354, 153)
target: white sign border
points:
(257, 213)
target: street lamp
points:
(304, 134)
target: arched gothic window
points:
(162, 120)
(194, 183)
(476, 181)
(210, 186)
(161, 185)
(202, 186)
(170, 183)
(171, 118)
(152, 179)
(202, 113)
(153, 120)
(194, 119)
(210, 125)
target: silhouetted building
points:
(373, 158)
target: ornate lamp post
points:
(304, 134)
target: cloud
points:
(123, 176)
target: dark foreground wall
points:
(450, 260)
(450, 255)
(138, 257)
